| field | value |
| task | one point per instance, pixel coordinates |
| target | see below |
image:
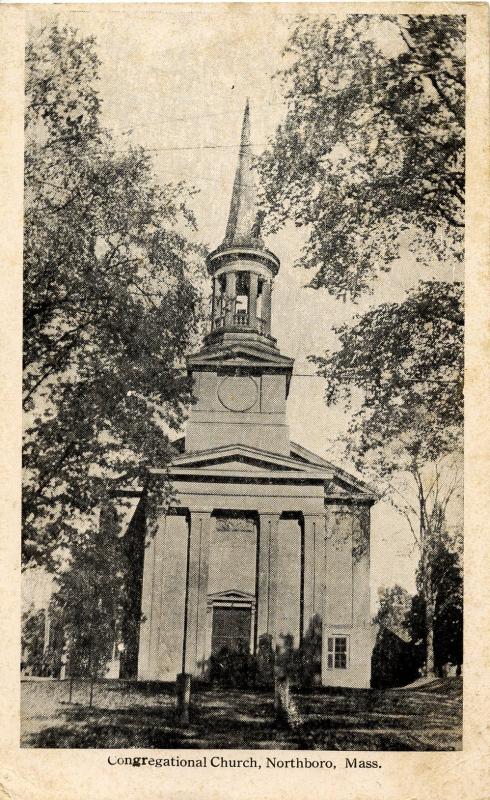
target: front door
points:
(231, 629)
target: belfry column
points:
(197, 592)
(230, 298)
(267, 576)
(253, 289)
(266, 306)
(213, 303)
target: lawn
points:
(418, 718)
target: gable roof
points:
(342, 483)
(241, 461)
(235, 462)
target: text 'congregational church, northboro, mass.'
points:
(265, 539)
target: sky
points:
(175, 79)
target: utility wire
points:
(163, 120)
(202, 147)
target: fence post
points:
(183, 686)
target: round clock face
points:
(238, 392)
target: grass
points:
(419, 718)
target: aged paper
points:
(263, 639)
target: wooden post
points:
(281, 699)
(183, 690)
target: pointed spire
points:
(244, 221)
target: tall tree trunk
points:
(429, 600)
(429, 639)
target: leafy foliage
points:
(90, 599)
(42, 657)
(33, 628)
(400, 370)
(370, 159)
(371, 151)
(111, 299)
(446, 593)
(399, 659)
(394, 605)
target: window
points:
(241, 300)
(337, 652)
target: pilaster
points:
(314, 575)
(197, 590)
(267, 576)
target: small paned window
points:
(337, 652)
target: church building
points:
(264, 538)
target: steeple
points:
(241, 267)
(241, 380)
(243, 220)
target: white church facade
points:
(264, 538)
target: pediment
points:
(235, 462)
(231, 597)
(246, 460)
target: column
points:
(314, 576)
(266, 305)
(197, 592)
(213, 306)
(230, 298)
(267, 576)
(253, 288)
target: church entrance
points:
(231, 630)
(231, 661)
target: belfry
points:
(264, 539)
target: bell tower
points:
(241, 380)
(241, 268)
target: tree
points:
(395, 660)
(111, 299)
(371, 155)
(447, 590)
(394, 605)
(372, 145)
(89, 600)
(33, 636)
(399, 370)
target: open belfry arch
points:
(264, 538)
